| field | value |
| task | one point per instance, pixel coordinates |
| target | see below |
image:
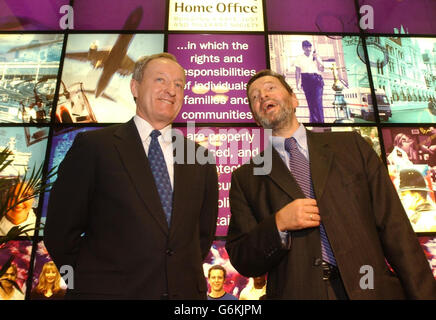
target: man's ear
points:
(134, 88)
(294, 101)
(254, 118)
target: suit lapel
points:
(132, 154)
(320, 163)
(182, 174)
(281, 175)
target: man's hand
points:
(298, 214)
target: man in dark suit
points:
(326, 218)
(127, 212)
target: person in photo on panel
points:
(8, 289)
(326, 218)
(404, 153)
(49, 284)
(308, 68)
(123, 213)
(217, 277)
(21, 214)
(419, 206)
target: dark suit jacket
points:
(105, 189)
(362, 215)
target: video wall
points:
(366, 65)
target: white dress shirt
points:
(165, 142)
(301, 138)
(306, 64)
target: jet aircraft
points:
(114, 60)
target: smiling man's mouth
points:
(167, 101)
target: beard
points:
(283, 117)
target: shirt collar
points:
(300, 136)
(145, 128)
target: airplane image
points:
(114, 60)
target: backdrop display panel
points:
(114, 15)
(26, 155)
(411, 156)
(95, 84)
(67, 65)
(25, 15)
(429, 246)
(312, 16)
(61, 142)
(218, 255)
(232, 147)
(217, 70)
(216, 15)
(45, 274)
(404, 69)
(29, 66)
(332, 79)
(16, 254)
(413, 16)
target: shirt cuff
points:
(285, 236)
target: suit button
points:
(169, 252)
(317, 262)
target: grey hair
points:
(138, 70)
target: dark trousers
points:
(313, 87)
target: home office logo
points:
(216, 15)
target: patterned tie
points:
(160, 173)
(300, 169)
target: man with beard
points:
(325, 219)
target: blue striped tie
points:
(300, 169)
(160, 173)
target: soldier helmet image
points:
(412, 180)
